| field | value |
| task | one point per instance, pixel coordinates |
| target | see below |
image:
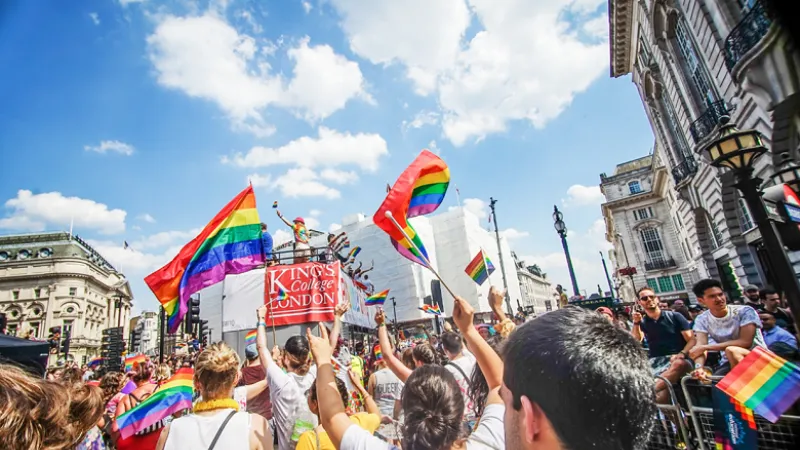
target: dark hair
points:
(571, 376)
(452, 342)
(142, 371)
(408, 358)
(424, 353)
(478, 389)
(644, 288)
(683, 310)
(433, 407)
(312, 391)
(769, 290)
(297, 349)
(701, 286)
(72, 375)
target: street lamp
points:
(561, 229)
(737, 150)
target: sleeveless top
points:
(387, 390)
(195, 431)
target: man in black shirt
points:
(771, 301)
(669, 338)
(752, 297)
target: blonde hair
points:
(163, 372)
(45, 414)
(216, 370)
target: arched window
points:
(634, 187)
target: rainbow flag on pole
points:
(431, 309)
(282, 295)
(763, 382)
(418, 191)
(250, 337)
(172, 396)
(229, 244)
(480, 268)
(130, 360)
(95, 362)
(354, 252)
(377, 299)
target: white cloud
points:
(475, 206)
(128, 2)
(146, 218)
(205, 57)
(512, 234)
(303, 182)
(421, 119)
(315, 213)
(281, 237)
(330, 149)
(33, 212)
(433, 147)
(95, 18)
(334, 228)
(515, 68)
(247, 16)
(580, 195)
(339, 176)
(597, 27)
(312, 223)
(165, 238)
(260, 180)
(307, 6)
(111, 146)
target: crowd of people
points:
(572, 378)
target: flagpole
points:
(71, 223)
(274, 336)
(421, 255)
(458, 197)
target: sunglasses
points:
(646, 297)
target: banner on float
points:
(311, 293)
(358, 314)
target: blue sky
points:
(140, 119)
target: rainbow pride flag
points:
(282, 295)
(229, 244)
(250, 337)
(431, 309)
(95, 362)
(377, 299)
(275, 204)
(354, 252)
(130, 360)
(172, 396)
(419, 190)
(763, 382)
(480, 268)
(377, 352)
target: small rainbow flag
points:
(431, 309)
(96, 361)
(275, 204)
(354, 252)
(377, 299)
(172, 396)
(480, 268)
(130, 360)
(250, 337)
(377, 351)
(230, 244)
(763, 382)
(282, 295)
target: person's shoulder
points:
(367, 421)
(307, 441)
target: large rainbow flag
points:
(480, 268)
(130, 360)
(419, 190)
(763, 382)
(172, 396)
(377, 299)
(229, 244)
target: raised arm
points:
(288, 224)
(372, 407)
(488, 360)
(261, 338)
(331, 410)
(338, 312)
(394, 364)
(371, 266)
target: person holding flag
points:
(302, 250)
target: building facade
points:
(147, 325)
(536, 292)
(693, 62)
(55, 279)
(639, 214)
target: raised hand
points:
(380, 317)
(341, 309)
(463, 313)
(320, 347)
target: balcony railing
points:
(660, 264)
(753, 26)
(707, 121)
(684, 170)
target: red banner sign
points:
(312, 290)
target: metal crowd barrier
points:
(782, 435)
(671, 428)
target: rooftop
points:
(60, 244)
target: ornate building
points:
(647, 235)
(692, 62)
(55, 279)
(535, 289)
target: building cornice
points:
(621, 42)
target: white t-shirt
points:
(196, 431)
(289, 407)
(466, 364)
(489, 435)
(723, 329)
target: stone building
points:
(535, 289)
(55, 279)
(641, 224)
(147, 326)
(692, 62)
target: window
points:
(652, 244)
(653, 284)
(665, 284)
(643, 213)
(15, 294)
(675, 132)
(73, 291)
(37, 293)
(634, 187)
(692, 68)
(715, 237)
(677, 280)
(745, 220)
(67, 328)
(35, 329)
(12, 329)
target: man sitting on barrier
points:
(669, 338)
(732, 327)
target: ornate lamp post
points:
(737, 150)
(561, 229)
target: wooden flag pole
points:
(272, 315)
(421, 255)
